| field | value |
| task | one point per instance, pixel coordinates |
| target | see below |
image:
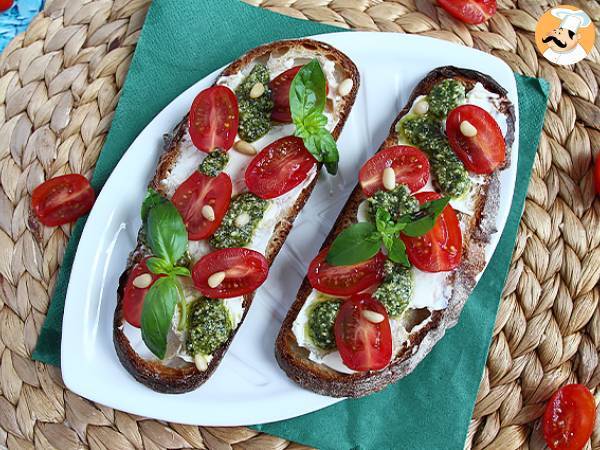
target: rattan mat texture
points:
(59, 85)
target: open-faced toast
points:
(420, 326)
(180, 372)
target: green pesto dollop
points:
(228, 234)
(395, 290)
(209, 326)
(445, 96)
(320, 323)
(397, 202)
(255, 113)
(426, 132)
(214, 163)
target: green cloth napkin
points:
(181, 42)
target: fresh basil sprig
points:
(308, 93)
(362, 241)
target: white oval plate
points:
(248, 387)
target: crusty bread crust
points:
(319, 378)
(154, 374)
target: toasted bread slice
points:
(182, 376)
(425, 328)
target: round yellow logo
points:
(565, 35)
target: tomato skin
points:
(279, 167)
(214, 119)
(440, 249)
(133, 297)
(470, 11)
(5, 5)
(363, 345)
(62, 199)
(245, 270)
(482, 153)
(410, 165)
(597, 175)
(569, 418)
(356, 278)
(195, 192)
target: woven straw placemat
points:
(59, 84)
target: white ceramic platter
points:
(248, 387)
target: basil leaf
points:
(181, 271)
(166, 233)
(382, 219)
(158, 265)
(157, 314)
(424, 220)
(308, 91)
(151, 199)
(329, 151)
(397, 253)
(353, 245)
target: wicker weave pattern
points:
(59, 84)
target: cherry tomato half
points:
(133, 297)
(62, 199)
(410, 165)
(569, 418)
(597, 175)
(440, 249)
(279, 167)
(482, 153)
(196, 192)
(345, 280)
(363, 340)
(470, 11)
(214, 119)
(244, 270)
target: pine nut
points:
(216, 279)
(467, 129)
(422, 107)
(389, 178)
(142, 281)
(345, 87)
(201, 362)
(208, 213)
(242, 219)
(372, 316)
(245, 148)
(257, 90)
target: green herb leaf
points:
(166, 233)
(307, 103)
(158, 265)
(422, 221)
(181, 271)
(397, 252)
(353, 245)
(151, 199)
(157, 314)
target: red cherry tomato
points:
(5, 5)
(62, 199)
(214, 119)
(484, 152)
(133, 297)
(245, 270)
(196, 192)
(410, 165)
(470, 11)
(362, 343)
(345, 280)
(279, 167)
(597, 175)
(440, 249)
(569, 418)
(280, 91)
